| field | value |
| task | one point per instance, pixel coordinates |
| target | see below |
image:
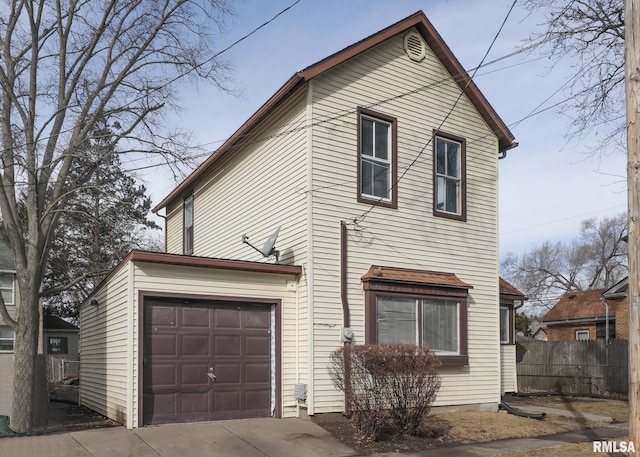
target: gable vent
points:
(414, 46)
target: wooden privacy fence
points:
(581, 367)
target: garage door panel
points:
(227, 318)
(194, 403)
(195, 345)
(183, 341)
(194, 375)
(257, 345)
(195, 317)
(162, 316)
(162, 375)
(257, 373)
(227, 346)
(227, 373)
(256, 320)
(162, 344)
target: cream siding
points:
(410, 236)
(7, 359)
(104, 343)
(173, 228)
(508, 378)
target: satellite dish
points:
(269, 247)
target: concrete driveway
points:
(245, 438)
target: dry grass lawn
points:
(478, 427)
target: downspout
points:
(346, 333)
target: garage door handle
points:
(212, 376)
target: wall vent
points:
(414, 46)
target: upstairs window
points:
(449, 194)
(7, 338)
(7, 288)
(188, 225)
(377, 158)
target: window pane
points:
(440, 325)
(504, 324)
(366, 137)
(7, 296)
(452, 159)
(441, 193)
(367, 177)
(381, 180)
(57, 345)
(382, 140)
(451, 195)
(188, 212)
(440, 156)
(6, 281)
(396, 319)
(7, 338)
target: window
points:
(57, 345)
(582, 335)
(7, 284)
(377, 158)
(410, 309)
(7, 337)
(506, 325)
(449, 195)
(188, 225)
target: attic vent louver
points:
(414, 46)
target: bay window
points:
(418, 307)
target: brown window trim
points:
(374, 289)
(512, 323)
(394, 160)
(463, 177)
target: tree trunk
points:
(25, 352)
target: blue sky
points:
(548, 185)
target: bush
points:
(379, 379)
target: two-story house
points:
(9, 290)
(379, 166)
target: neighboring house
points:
(379, 166)
(541, 334)
(60, 337)
(9, 290)
(510, 300)
(583, 315)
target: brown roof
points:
(435, 42)
(508, 290)
(431, 278)
(579, 305)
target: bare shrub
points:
(379, 379)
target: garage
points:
(167, 338)
(207, 360)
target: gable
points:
(419, 23)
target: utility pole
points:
(632, 88)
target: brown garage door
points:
(187, 345)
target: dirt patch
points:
(477, 427)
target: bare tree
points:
(66, 67)
(596, 259)
(592, 32)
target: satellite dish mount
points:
(269, 248)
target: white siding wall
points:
(214, 282)
(410, 236)
(262, 186)
(105, 344)
(509, 379)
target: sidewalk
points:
(258, 438)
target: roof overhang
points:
(435, 42)
(161, 258)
